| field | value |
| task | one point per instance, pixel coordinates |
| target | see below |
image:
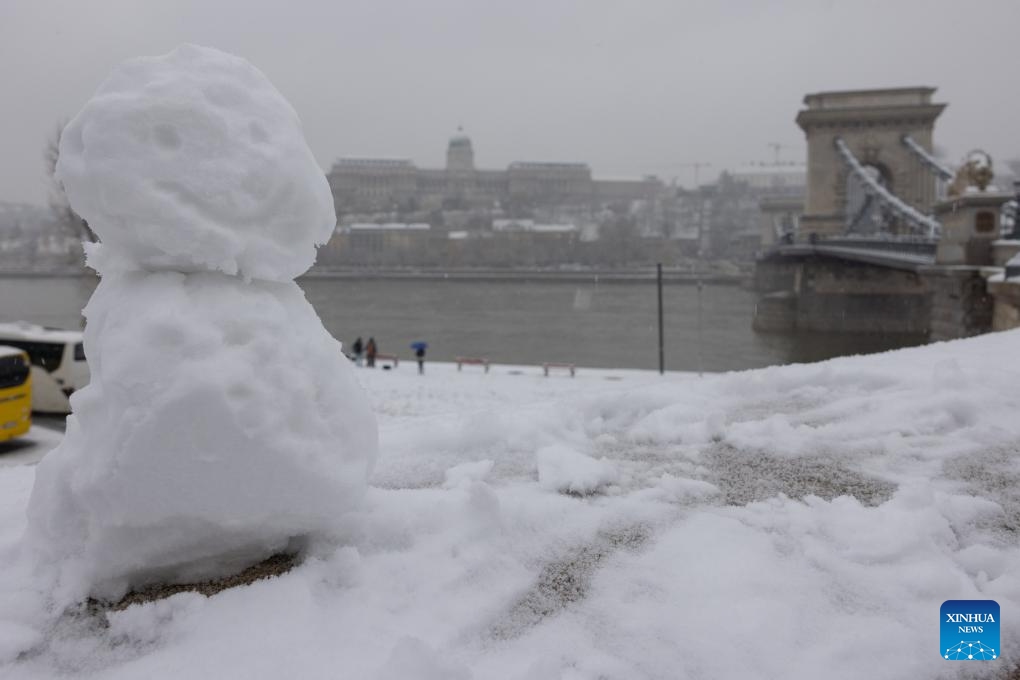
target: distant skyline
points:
(629, 88)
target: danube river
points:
(516, 320)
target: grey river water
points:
(519, 320)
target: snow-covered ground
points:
(791, 522)
(30, 448)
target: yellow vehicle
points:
(15, 393)
(57, 361)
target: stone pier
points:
(819, 293)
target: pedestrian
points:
(370, 351)
(359, 350)
(419, 352)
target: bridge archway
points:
(873, 125)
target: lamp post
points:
(1016, 210)
(662, 353)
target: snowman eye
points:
(166, 136)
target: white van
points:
(58, 363)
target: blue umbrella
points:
(418, 344)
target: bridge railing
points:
(897, 254)
(894, 244)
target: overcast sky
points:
(630, 86)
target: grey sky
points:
(631, 87)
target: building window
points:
(984, 222)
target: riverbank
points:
(59, 273)
(595, 322)
(635, 275)
(630, 275)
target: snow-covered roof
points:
(620, 179)
(375, 162)
(530, 225)
(554, 228)
(7, 351)
(390, 226)
(541, 165)
(510, 223)
(460, 138)
(20, 330)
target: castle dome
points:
(460, 156)
(460, 139)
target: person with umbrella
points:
(419, 352)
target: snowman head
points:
(193, 161)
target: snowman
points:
(222, 423)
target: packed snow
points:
(795, 522)
(193, 161)
(560, 468)
(222, 423)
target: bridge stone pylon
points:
(873, 125)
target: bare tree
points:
(59, 204)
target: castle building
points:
(362, 185)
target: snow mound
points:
(193, 161)
(16, 638)
(565, 470)
(220, 422)
(465, 473)
(681, 489)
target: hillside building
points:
(365, 185)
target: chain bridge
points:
(891, 239)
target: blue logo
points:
(969, 630)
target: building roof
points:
(539, 165)
(20, 330)
(375, 162)
(554, 228)
(510, 224)
(891, 96)
(460, 138)
(390, 226)
(7, 351)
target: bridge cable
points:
(912, 216)
(927, 160)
